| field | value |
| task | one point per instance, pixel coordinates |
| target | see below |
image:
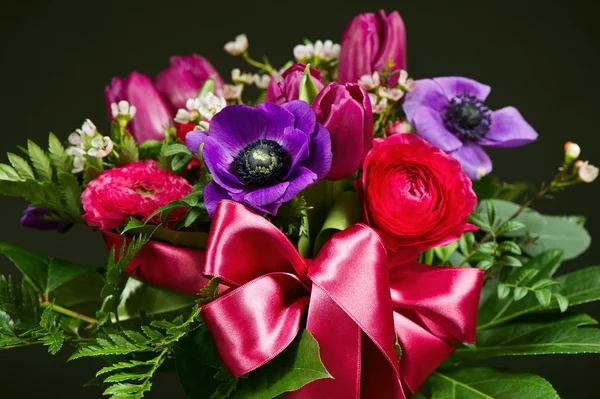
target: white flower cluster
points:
(238, 46)
(380, 95)
(245, 78)
(87, 141)
(123, 108)
(326, 51)
(206, 106)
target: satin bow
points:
(358, 303)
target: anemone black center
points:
(468, 117)
(262, 163)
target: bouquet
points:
(329, 228)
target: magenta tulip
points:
(345, 111)
(184, 79)
(153, 114)
(370, 43)
(287, 88)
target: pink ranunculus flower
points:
(135, 190)
(414, 194)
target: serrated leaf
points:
(556, 334)
(124, 365)
(21, 166)
(120, 389)
(71, 193)
(487, 248)
(491, 212)
(177, 148)
(40, 161)
(509, 227)
(152, 333)
(503, 291)
(8, 173)
(511, 261)
(295, 367)
(545, 282)
(488, 383)
(129, 150)
(54, 340)
(120, 377)
(180, 161)
(58, 156)
(479, 221)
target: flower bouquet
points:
(327, 229)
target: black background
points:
(57, 56)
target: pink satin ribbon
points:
(357, 300)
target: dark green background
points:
(57, 56)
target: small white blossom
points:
(233, 92)
(202, 126)
(369, 82)
(587, 173)
(304, 52)
(238, 77)
(101, 147)
(378, 108)
(327, 51)
(209, 105)
(88, 128)
(390, 93)
(189, 114)
(78, 164)
(123, 108)
(405, 83)
(238, 46)
(75, 151)
(75, 139)
(572, 150)
(262, 81)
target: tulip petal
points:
(360, 44)
(393, 45)
(473, 159)
(509, 129)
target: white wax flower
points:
(369, 82)
(238, 77)
(123, 108)
(208, 105)
(393, 94)
(238, 46)
(262, 81)
(304, 52)
(572, 150)
(327, 51)
(233, 92)
(189, 114)
(88, 128)
(378, 107)
(101, 147)
(78, 163)
(588, 173)
(405, 83)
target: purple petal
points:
(238, 126)
(475, 162)
(296, 144)
(429, 125)
(305, 116)
(301, 179)
(220, 162)
(278, 120)
(508, 129)
(455, 85)
(194, 139)
(266, 195)
(212, 195)
(426, 94)
(319, 160)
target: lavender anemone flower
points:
(262, 156)
(450, 113)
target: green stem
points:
(34, 343)
(68, 312)
(429, 256)
(257, 64)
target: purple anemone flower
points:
(262, 156)
(450, 113)
(35, 218)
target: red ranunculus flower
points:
(414, 194)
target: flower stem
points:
(68, 312)
(257, 64)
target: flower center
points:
(261, 163)
(468, 117)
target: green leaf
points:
(46, 274)
(484, 264)
(345, 212)
(180, 161)
(491, 212)
(177, 148)
(466, 243)
(295, 367)
(207, 87)
(40, 161)
(58, 156)
(505, 210)
(488, 383)
(195, 376)
(559, 232)
(71, 193)
(543, 296)
(489, 187)
(511, 247)
(140, 298)
(555, 335)
(21, 166)
(582, 286)
(503, 291)
(54, 341)
(496, 311)
(479, 221)
(308, 90)
(150, 149)
(563, 302)
(8, 173)
(129, 150)
(444, 253)
(520, 293)
(511, 261)
(509, 227)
